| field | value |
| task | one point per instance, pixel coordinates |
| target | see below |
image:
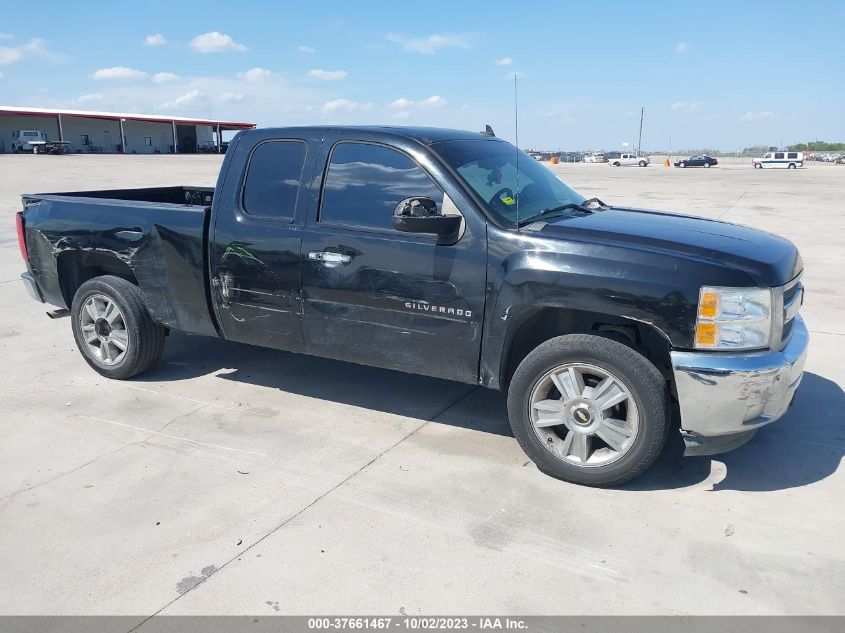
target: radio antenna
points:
(516, 135)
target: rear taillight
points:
(21, 235)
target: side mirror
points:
(419, 215)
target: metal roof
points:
(128, 116)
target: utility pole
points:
(640, 142)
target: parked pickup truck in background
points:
(630, 160)
(416, 250)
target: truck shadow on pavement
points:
(805, 446)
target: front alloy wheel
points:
(589, 409)
(584, 415)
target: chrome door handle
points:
(329, 258)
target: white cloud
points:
(10, 54)
(96, 96)
(345, 105)
(432, 43)
(683, 47)
(230, 97)
(401, 103)
(255, 74)
(302, 48)
(161, 78)
(402, 114)
(685, 105)
(434, 101)
(215, 42)
(187, 99)
(119, 72)
(157, 39)
(33, 48)
(757, 116)
(6, 36)
(505, 61)
(327, 75)
(563, 116)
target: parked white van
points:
(785, 160)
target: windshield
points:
(489, 168)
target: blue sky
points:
(713, 74)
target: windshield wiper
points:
(551, 210)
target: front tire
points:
(113, 330)
(589, 410)
(682, 164)
(707, 165)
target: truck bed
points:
(157, 236)
(192, 196)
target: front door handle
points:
(329, 258)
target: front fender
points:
(655, 288)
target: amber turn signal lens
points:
(708, 305)
(705, 334)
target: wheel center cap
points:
(582, 415)
(102, 328)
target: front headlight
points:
(733, 318)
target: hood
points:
(770, 260)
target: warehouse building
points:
(116, 133)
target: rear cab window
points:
(366, 181)
(273, 178)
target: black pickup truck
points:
(450, 254)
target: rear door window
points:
(365, 182)
(273, 178)
(778, 155)
(792, 155)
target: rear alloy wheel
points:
(589, 410)
(113, 329)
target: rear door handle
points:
(329, 258)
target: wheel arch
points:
(74, 268)
(534, 326)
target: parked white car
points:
(630, 160)
(783, 160)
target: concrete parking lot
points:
(232, 479)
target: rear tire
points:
(113, 330)
(615, 453)
(791, 165)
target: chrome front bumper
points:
(724, 398)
